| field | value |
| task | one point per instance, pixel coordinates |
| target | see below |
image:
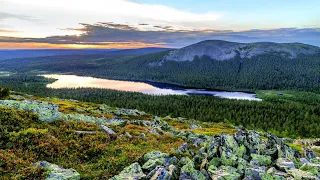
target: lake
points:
(73, 81)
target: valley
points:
(159, 90)
(139, 115)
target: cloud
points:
(8, 31)
(60, 14)
(108, 34)
(4, 16)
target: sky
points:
(123, 24)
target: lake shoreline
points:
(158, 83)
(151, 88)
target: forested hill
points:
(230, 66)
(254, 66)
(222, 50)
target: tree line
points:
(284, 118)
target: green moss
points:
(297, 147)
(95, 156)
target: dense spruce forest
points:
(292, 116)
(267, 71)
(295, 115)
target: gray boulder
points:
(299, 174)
(46, 111)
(161, 174)
(57, 173)
(224, 172)
(260, 160)
(285, 164)
(312, 168)
(107, 130)
(132, 172)
(158, 123)
(188, 171)
(194, 126)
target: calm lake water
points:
(73, 81)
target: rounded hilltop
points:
(223, 50)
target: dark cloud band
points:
(107, 32)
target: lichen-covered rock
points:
(242, 164)
(312, 168)
(128, 135)
(142, 135)
(46, 111)
(254, 173)
(261, 160)
(304, 160)
(213, 147)
(224, 172)
(116, 122)
(155, 155)
(195, 139)
(152, 172)
(241, 151)
(229, 142)
(245, 155)
(107, 130)
(299, 174)
(57, 173)
(228, 158)
(183, 148)
(315, 160)
(85, 118)
(308, 153)
(153, 163)
(119, 111)
(139, 122)
(183, 161)
(50, 112)
(271, 177)
(131, 172)
(285, 164)
(161, 174)
(173, 171)
(188, 171)
(277, 174)
(253, 142)
(214, 162)
(157, 122)
(194, 126)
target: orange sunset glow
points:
(109, 45)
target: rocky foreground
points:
(246, 155)
(243, 155)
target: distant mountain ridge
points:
(223, 50)
(138, 52)
(33, 53)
